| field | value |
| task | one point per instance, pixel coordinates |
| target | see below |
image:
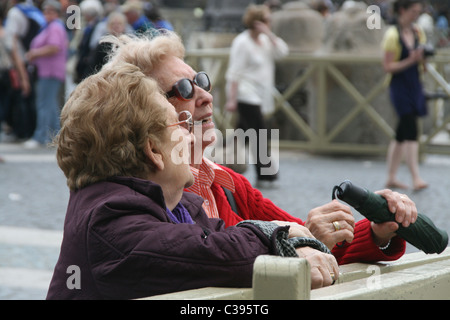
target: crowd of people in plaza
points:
(39, 48)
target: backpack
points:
(36, 22)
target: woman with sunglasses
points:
(162, 59)
(130, 229)
(250, 78)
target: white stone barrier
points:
(414, 276)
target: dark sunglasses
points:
(184, 89)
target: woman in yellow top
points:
(403, 56)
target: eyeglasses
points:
(185, 121)
(184, 89)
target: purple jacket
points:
(119, 243)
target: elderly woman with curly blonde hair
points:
(130, 229)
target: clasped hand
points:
(324, 267)
(320, 220)
(319, 225)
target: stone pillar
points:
(277, 278)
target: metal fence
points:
(321, 69)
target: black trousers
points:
(251, 117)
(407, 128)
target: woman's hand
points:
(405, 213)
(416, 55)
(331, 223)
(324, 267)
(45, 51)
(391, 65)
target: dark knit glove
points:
(285, 246)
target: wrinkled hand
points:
(405, 213)
(320, 223)
(295, 229)
(324, 267)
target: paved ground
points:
(34, 195)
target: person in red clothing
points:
(162, 59)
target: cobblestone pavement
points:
(34, 195)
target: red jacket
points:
(252, 205)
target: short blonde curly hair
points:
(106, 124)
(145, 51)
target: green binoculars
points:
(422, 234)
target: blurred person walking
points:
(116, 25)
(49, 54)
(23, 22)
(153, 13)
(92, 13)
(102, 29)
(250, 78)
(134, 11)
(6, 67)
(403, 57)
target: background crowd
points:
(38, 49)
(27, 116)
